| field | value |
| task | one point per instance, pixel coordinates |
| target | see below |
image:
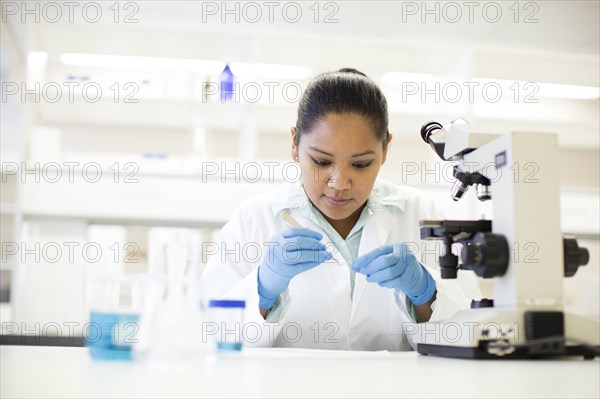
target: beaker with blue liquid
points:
(116, 300)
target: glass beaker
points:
(116, 300)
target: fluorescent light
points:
(543, 90)
(507, 87)
(141, 63)
(36, 66)
(568, 91)
(398, 78)
(37, 59)
(276, 71)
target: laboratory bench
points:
(44, 371)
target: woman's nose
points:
(338, 178)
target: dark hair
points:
(344, 91)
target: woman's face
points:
(340, 159)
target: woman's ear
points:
(387, 145)
(294, 145)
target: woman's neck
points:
(344, 226)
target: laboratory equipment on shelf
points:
(522, 249)
(227, 84)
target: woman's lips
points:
(337, 201)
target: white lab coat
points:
(317, 309)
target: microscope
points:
(522, 249)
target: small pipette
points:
(290, 220)
(294, 223)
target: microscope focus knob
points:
(574, 256)
(472, 254)
(486, 254)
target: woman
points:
(364, 290)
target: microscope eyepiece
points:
(438, 142)
(428, 129)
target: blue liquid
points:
(110, 335)
(229, 346)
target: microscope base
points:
(478, 352)
(509, 333)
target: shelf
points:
(404, 122)
(5, 313)
(153, 200)
(171, 114)
(7, 266)
(8, 208)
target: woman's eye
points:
(362, 165)
(321, 163)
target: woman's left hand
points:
(394, 266)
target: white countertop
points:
(36, 371)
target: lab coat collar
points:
(294, 197)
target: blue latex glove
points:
(289, 253)
(394, 266)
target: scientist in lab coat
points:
(350, 277)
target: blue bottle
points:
(228, 315)
(227, 82)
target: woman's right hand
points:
(289, 254)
